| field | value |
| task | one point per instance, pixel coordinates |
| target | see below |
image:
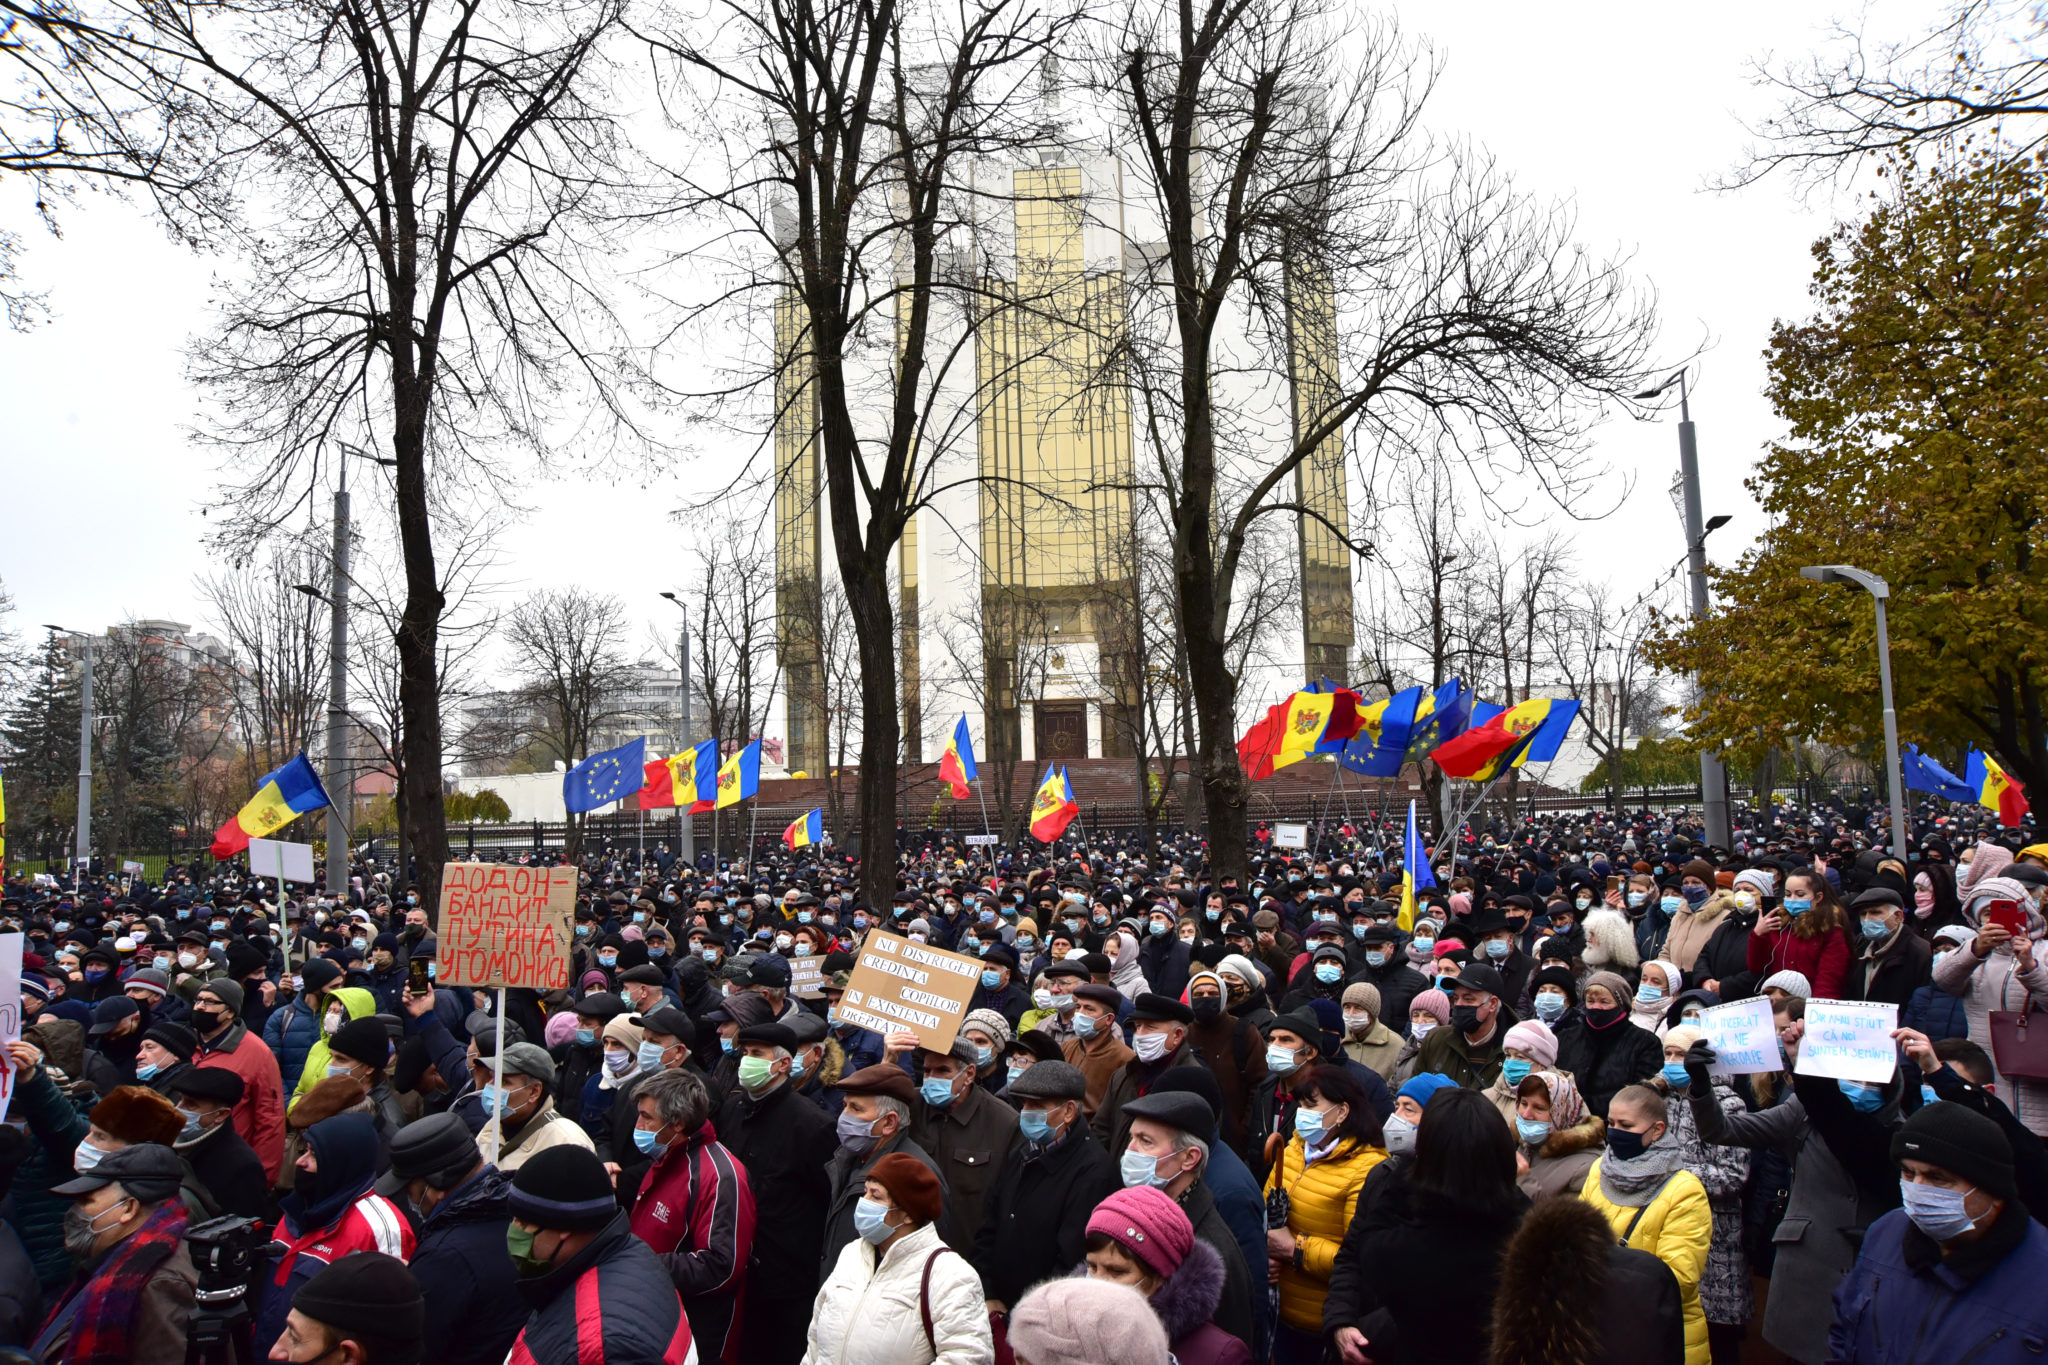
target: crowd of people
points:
(1187, 1116)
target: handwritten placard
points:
(505, 925)
(1850, 1040)
(901, 985)
(1744, 1037)
(10, 1013)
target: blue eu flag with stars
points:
(604, 778)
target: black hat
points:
(362, 1040)
(1877, 895)
(1150, 1008)
(770, 971)
(1002, 955)
(1042, 1046)
(482, 1026)
(1182, 1109)
(1480, 976)
(646, 974)
(1196, 1080)
(440, 1144)
(667, 1021)
(1382, 933)
(319, 973)
(1562, 977)
(173, 1037)
(369, 1296)
(599, 1005)
(108, 1014)
(1107, 996)
(1329, 952)
(1066, 966)
(774, 1035)
(148, 1170)
(1302, 1023)
(222, 1085)
(1957, 1139)
(1060, 1081)
(564, 1187)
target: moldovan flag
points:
(1995, 791)
(956, 765)
(282, 797)
(690, 776)
(1483, 752)
(806, 829)
(1054, 808)
(740, 778)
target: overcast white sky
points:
(1624, 108)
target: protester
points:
(460, 1209)
(1141, 1238)
(1336, 1143)
(1603, 1053)
(1568, 1294)
(134, 1296)
(1035, 1218)
(331, 1212)
(365, 1309)
(1639, 1185)
(694, 1208)
(1557, 1140)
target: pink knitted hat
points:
(1087, 1322)
(1534, 1037)
(1148, 1224)
(1433, 1001)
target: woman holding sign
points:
(2001, 969)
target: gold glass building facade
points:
(799, 599)
(1327, 630)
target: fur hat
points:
(335, 1095)
(136, 1114)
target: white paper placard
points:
(1850, 1040)
(1744, 1036)
(10, 1013)
(283, 861)
(1290, 836)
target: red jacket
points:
(695, 1209)
(1823, 959)
(259, 1114)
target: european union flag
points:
(1444, 715)
(1923, 774)
(603, 778)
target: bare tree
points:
(278, 638)
(160, 710)
(851, 225)
(1518, 586)
(1284, 168)
(998, 653)
(1598, 652)
(567, 648)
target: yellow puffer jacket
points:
(1676, 1227)
(1320, 1200)
(357, 1003)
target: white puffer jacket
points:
(868, 1314)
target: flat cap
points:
(431, 1146)
(1160, 1009)
(222, 1085)
(529, 1059)
(668, 1021)
(774, 1035)
(1049, 1081)
(1182, 1109)
(1100, 994)
(599, 1005)
(880, 1079)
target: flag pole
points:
(983, 796)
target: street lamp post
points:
(1713, 776)
(1879, 591)
(84, 846)
(686, 824)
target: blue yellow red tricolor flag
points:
(690, 776)
(281, 797)
(956, 765)
(1308, 722)
(1415, 871)
(1994, 789)
(740, 778)
(806, 830)
(1525, 732)
(1054, 807)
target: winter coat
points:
(871, 1310)
(345, 1217)
(1321, 1198)
(1165, 960)
(1099, 1059)
(1725, 959)
(229, 1172)
(1936, 1013)
(1892, 970)
(1568, 1295)
(1559, 1166)
(1472, 1065)
(1676, 1227)
(1692, 928)
(1132, 1080)
(1903, 1302)
(55, 1108)
(290, 1032)
(543, 1128)
(1419, 1271)
(1186, 1307)
(1236, 1056)
(463, 1270)
(1723, 1171)
(1602, 1061)
(1378, 1050)
(1034, 1222)
(1823, 959)
(1994, 983)
(259, 1114)
(21, 1294)
(611, 1301)
(357, 1003)
(784, 1143)
(967, 1141)
(1399, 984)
(1234, 1314)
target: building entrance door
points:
(1062, 731)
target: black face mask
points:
(1465, 1018)
(1206, 1007)
(1625, 1146)
(206, 1021)
(1604, 1018)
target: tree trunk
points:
(867, 597)
(419, 629)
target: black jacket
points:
(230, 1172)
(1165, 960)
(461, 1264)
(1034, 1224)
(1399, 984)
(1234, 1312)
(784, 1142)
(1725, 959)
(1907, 965)
(1602, 1061)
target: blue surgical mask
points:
(1280, 1061)
(1498, 948)
(1084, 1026)
(1875, 929)
(1649, 995)
(725, 1045)
(1308, 1126)
(649, 1056)
(1033, 1124)
(586, 1036)
(1358, 930)
(1867, 1099)
(870, 1220)
(1016, 1071)
(1026, 942)
(1677, 1076)
(1532, 1131)
(1139, 1169)
(1936, 1211)
(1375, 959)
(991, 979)
(644, 1140)
(1515, 1070)
(709, 954)
(1157, 928)
(583, 931)
(607, 959)
(1550, 1006)
(937, 1093)
(639, 917)
(803, 917)
(1329, 972)
(656, 951)
(1797, 905)
(1635, 899)
(1671, 905)
(144, 1072)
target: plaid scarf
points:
(103, 1326)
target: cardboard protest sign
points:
(505, 925)
(1850, 1040)
(1744, 1036)
(807, 976)
(10, 1013)
(899, 985)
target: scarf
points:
(103, 1323)
(1634, 1183)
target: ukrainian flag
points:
(1415, 871)
(806, 830)
(282, 797)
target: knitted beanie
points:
(1087, 1322)
(992, 1023)
(1363, 995)
(565, 1187)
(1434, 1003)
(1789, 981)
(1615, 986)
(1148, 1224)
(1962, 1142)
(911, 1185)
(1534, 1037)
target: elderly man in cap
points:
(1062, 979)
(1471, 1050)
(1957, 1271)
(1034, 1219)
(459, 1205)
(524, 1109)
(597, 1292)
(964, 1130)
(366, 1309)
(1159, 1042)
(1888, 963)
(1097, 1046)
(880, 1108)
(784, 1142)
(694, 1207)
(133, 1299)
(227, 1169)
(1170, 1131)
(225, 1043)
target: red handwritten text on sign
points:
(505, 925)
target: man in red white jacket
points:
(694, 1208)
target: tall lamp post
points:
(1879, 591)
(686, 824)
(1713, 776)
(84, 846)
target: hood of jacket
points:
(486, 1198)
(1189, 1296)
(62, 1042)
(346, 1148)
(1587, 1134)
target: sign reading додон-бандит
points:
(505, 925)
(899, 985)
